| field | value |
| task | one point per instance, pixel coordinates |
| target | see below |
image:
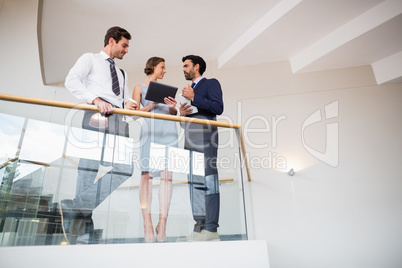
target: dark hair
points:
(151, 64)
(116, 33)
(196, 60)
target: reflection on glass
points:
(90, 190)
(98, 121)
(43, 142)
(10, 133)
(100, 172)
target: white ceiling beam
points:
(353, 29)
(256, 29)
(388, 69)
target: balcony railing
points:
(64, 184)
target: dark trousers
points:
(204, 190)
(90, 192)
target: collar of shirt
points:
(90, 78)
(197, 80)
(104, 55)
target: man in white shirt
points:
(89, 80)
(93, 80)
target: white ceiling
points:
(313, 35)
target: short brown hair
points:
(116, 33)
(151, 64)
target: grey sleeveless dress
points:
(155, 131)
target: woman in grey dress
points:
(158, 132)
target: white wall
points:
(341, 214)
(324, 216)
(344, 216)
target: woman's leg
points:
(145, 203)
(165, 195)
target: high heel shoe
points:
(157, 239)
(151, 240)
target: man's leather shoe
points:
(203, 236)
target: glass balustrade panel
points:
(115, 179)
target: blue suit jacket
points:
(208, 99)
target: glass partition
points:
(69, 177)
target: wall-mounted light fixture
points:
(291, 172)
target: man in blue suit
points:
(204, 100)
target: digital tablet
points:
(158, 92)
(187, 101)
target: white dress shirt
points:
(90, 78)
(197, 80)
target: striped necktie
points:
(115, 80)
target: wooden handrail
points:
(243, 150)
(82, 106)
(8, 161)
(73, 105)
(11, 160)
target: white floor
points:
(220, 254)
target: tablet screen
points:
(158, 92)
